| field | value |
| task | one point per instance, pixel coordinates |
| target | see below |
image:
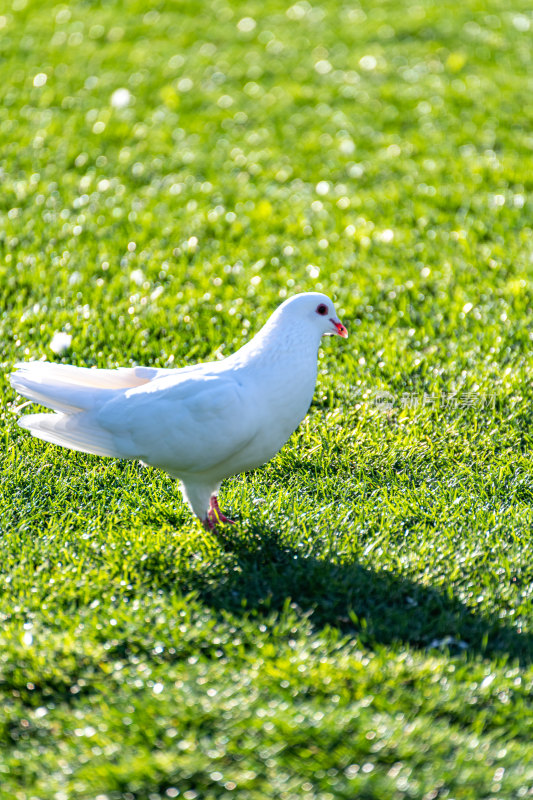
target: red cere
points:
(341, 330)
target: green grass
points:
(366, 631)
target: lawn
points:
(170, 172)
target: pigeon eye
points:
(322, 309)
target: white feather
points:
(70, 430)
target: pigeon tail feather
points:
(65, 388)
(73, 393)
(120, 378)
(71, 430)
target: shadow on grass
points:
(264, 573)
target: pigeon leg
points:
(215, 515)
(209, 523)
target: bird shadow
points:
(262, 574)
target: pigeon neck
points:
(282, 339)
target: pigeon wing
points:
(183, 423)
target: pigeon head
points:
(312, 309)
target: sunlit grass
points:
(169, 174)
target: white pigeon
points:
(201, 423)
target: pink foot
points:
(215, 516)
(208, 522)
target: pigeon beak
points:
(339, 328)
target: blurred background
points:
(197, 155)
